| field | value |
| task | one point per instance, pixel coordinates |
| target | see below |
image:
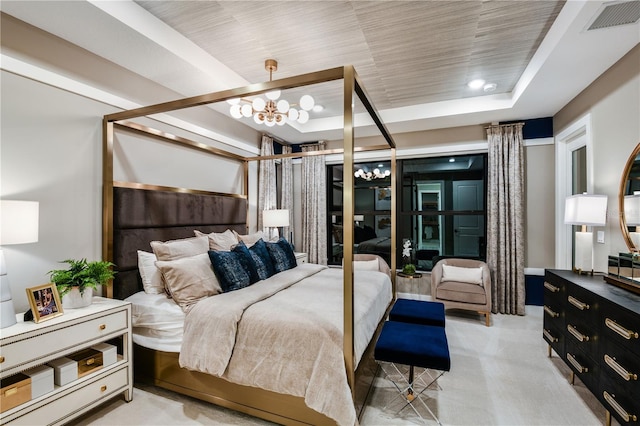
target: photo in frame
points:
(383, 226)
(383, 199)
(44, 301)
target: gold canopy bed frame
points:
(161, 368)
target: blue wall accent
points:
(535, 128)
(534, 288)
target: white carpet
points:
(500, 375)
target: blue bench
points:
(418, 312)
(413, 345)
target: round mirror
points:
(629, 201)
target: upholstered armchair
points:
(463, 284)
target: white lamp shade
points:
(275, 218)
(18, 222)
(632, 210)
(584, 209)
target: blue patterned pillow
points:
(234, 269)
(282, 255)
(261, 259)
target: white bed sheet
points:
(157, 321)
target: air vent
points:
(615, 14)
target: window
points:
(441, 208)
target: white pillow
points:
(177, 249)
(223, 241)
(251, 239)
(366, 265)
(151, 276)
(463, 275)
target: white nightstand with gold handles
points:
(27, 344)
(301, 257)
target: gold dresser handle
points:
(578, 304)
(611, 362)
(103, 388)
(581, 337)
(1, 359)
(11, 391)
(102, 326)
(551, 313)
(627, 334)
(552, 288)
(576, 364)
(548, 335)
(621, 411)
(91, 361)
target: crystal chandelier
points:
(272, 111)
(377, 173)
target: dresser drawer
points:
(91, 393)
(585, 367)
(622, 366)
(622, 405)
(582, 304)
(555, 338)
(582, 335)
(52, 344)
(621, 327)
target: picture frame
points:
(44, 301)
(383, 226)
(383, 199)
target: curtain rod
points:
(521, 123)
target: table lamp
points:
(585, 210)
(632, 217)
(274, 219)
(18, 225)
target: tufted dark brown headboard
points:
(144, 215)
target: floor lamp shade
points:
(632, 217)
(585, 210)
(18, 225)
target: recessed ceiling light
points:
(476, 84)
(489, 87)
(317, 108)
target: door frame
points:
(573, 137)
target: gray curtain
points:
(286, 200)
(314, 205)
(267, 198)
(505, 233)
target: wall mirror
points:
(629, 201)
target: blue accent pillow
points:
(261, 259)
(234, 269)
(282, 255)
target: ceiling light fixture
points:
(489, 87)
(375, 174)
(476, 84)
(271, 111)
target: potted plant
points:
(408, 268)
(76, 283)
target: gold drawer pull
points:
(578, 304)
(11, 391)
(576, 364)
(552, 288)
(551, 313)
(611, 362)
(1, 359)
(103, 388)
(621, 411)
(549, 337)
(90, 361)
(627, 334)
(102, 326)
(575, 333)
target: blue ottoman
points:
(418, 312)
(414, 345)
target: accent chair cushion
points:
(366, 265)
(464, 275)
(461, 292)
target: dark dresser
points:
(595, 328)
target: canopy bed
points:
(135, 213)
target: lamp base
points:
(582, 272)
(7, 312)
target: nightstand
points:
(418, 284)
(27, 344)
(301, 257)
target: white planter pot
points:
(74, 299)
